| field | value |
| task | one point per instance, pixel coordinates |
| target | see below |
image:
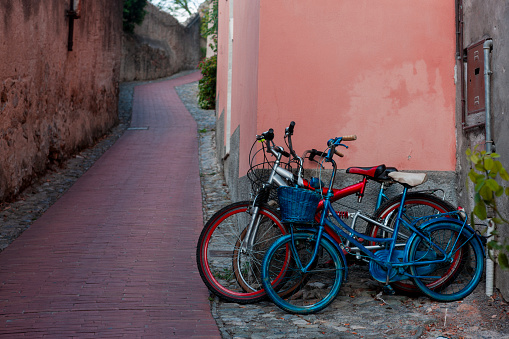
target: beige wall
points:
(54, 101)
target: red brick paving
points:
(115, 256)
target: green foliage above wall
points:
(134, 12)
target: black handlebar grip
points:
(269, 135)
(313, 153)
(290, 128)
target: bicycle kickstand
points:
(387, 289)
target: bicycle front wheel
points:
(456, 261)
(229, 270)
(318, 286)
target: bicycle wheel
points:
(463, 265)
(318, 286)
(219, 242)
(416, 205)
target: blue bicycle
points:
(441, 253)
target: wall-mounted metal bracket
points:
(73, 13)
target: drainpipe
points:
(487, 73)
(490, 265)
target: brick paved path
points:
(115, 256)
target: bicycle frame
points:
(346, 232)
(280, 177)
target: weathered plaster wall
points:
(54, 101)
(488, 19)
(381, 70)
(160, 47)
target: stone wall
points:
(488, 19)
(160, 47)
(53, 101)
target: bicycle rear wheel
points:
(220, 258)
(416, 205)
(463, 265)
(317, 287)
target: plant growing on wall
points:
(485, 172)
(207, 84)
(134, 12)
(208, 67)
(209, 24)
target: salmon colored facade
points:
(384, 70)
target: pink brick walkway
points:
(115, 256)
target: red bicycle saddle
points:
(375, 172)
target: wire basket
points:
(298, 205)
(259, 174)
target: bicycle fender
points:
(340, 250)
(459, 223)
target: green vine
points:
(486, 173)
(207, 84)
(208, 67)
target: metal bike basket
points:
(297, 205)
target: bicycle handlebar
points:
(289, 129)
(333, 143)
(312, 153)
(349, 137)
(266, 136)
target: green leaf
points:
(503, 174)
(497, 165)
(498, 221)
(473, 176)
(507, 191)
(486, 193)
(474, 158)
(499, 191)
(492, 184)
(502, 261)
(488, 163)
(468, 151)
(479, 184)
(495, 155)
(480, 211)
(494, 245)
(480, 167)
(477, 198)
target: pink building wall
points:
(382, 70)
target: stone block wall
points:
(487, 19)
(53, 101)
(160, 47)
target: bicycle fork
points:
(251, 230)
(315, 250)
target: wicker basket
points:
(297, 205)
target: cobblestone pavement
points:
(356, 313)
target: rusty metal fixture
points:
(73, 13)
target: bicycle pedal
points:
(387, 289)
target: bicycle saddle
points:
(409, 179)
(373, 172)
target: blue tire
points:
(316, 288)
(456, 277)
